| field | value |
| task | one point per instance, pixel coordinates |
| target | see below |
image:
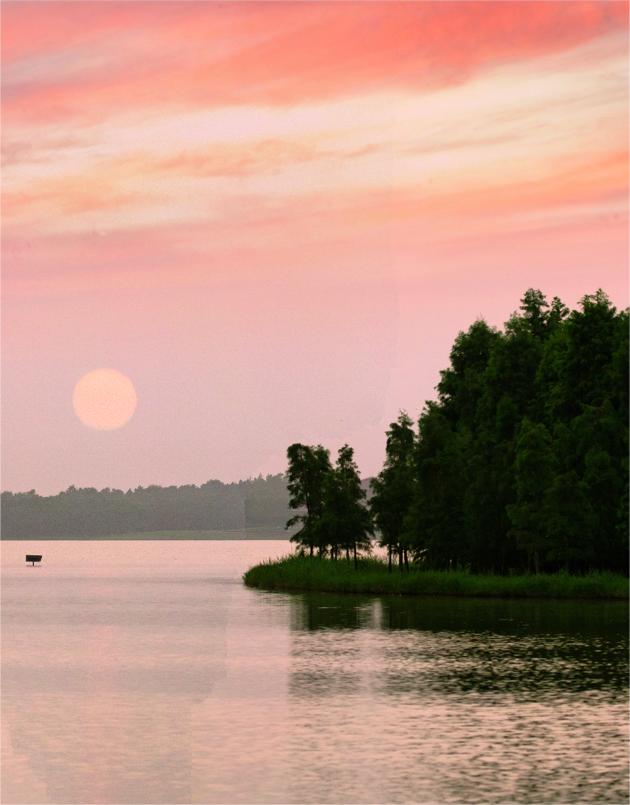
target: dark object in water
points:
(32, 558)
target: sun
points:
(104, 399)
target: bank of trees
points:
(87, 512)
(521, 464)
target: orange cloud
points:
(90, 62)
(329, 144)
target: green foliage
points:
(521, 464)
(306, 476)
(346, 523)
(332, 516)
(534, 471)
(393, 489)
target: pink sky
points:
(275, 218)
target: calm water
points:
(145, 672)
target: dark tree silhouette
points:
(522, 463)
(308, 469)
(393, 490)
(346, 522)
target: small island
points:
(514, 483)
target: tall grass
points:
(310, 573)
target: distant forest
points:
(255, 503)
(521, 464)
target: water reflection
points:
(489, 615)
(176, 684)
(456, 700)
(431, 646)
(310, 612)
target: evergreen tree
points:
(346, 523)
(534, 474)
(306, 477)
(570, 523)
(393, 490)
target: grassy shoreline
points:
(294, 573)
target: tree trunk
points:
(400, 559)
(406, 559)
(356, 562)
(311, 553)
(348, 555)
(389, 558)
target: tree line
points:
(88, 512)
(520, 464)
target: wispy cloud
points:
(515, 136)
(87, 63)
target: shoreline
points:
(306, 574)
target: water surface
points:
(145, 672)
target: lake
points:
(145, 672)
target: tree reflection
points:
(423, 647)
(310, 612)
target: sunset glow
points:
(236, 202)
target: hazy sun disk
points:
(104, 399)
